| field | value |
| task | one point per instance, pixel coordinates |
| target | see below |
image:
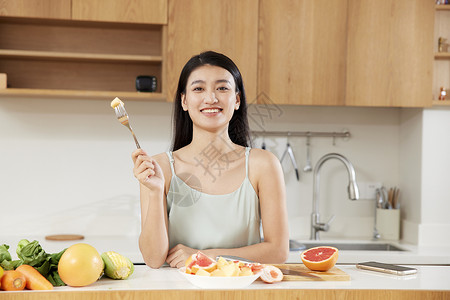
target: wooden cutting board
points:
(64, 237)
(334, 274)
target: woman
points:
(211, 193)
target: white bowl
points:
(210, 282)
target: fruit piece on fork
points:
(116, 102)
(122, 116)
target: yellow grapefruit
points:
(80, 265)
(320, 258)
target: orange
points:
(320, 258)
(199, 261)
(80, 265)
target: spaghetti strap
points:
(169, 154)
(247, 154)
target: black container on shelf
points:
(146, 83)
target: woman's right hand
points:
(147, 171)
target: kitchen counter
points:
(128, 246)
(431, 280)
(414, 255)
(166, 283)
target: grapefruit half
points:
(320, 258)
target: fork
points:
(122, 116)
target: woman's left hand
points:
(178, 255)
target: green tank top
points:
(203, 221)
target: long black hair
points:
(238, 129)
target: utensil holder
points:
(388, 223)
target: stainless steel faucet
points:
(353, 192)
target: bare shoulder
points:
(261, 158)
(163, 161)
(262, 162)
(265, 172)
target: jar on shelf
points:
(442, 93)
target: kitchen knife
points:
(236, 258)
(299, 273)
(284, 271)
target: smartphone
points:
(386, 268)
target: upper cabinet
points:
(302, 52)
(346, 52)
(51, 9)
(129, 11)
(390, 50)
(298, 52)
(229, 27)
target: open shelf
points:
(68, 56)
(84, 59)
(78, 94)
(442, 55)
(443, 7)
(441, 102)
(441, 76)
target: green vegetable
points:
(20, 245)
(11, 265)
(53, 275)
(117, 266)
(5, 259)
(31, 253)
(4, 253)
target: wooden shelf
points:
(441, 102)
(442, 55)
(80, 59)
(443, 7)
(78, 94)
(24, 54)
(441, 59)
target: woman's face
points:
(211, 97)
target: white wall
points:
(411, 172)
(66, 167)
(425, 174)
(435, 207)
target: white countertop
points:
(166, 278)
(428, 277)
(128, 246)
(415, 255)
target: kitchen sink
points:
(374, 246)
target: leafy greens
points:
(31, 253)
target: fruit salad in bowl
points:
(205, 272)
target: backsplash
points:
(66, 165)
(117, 216)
